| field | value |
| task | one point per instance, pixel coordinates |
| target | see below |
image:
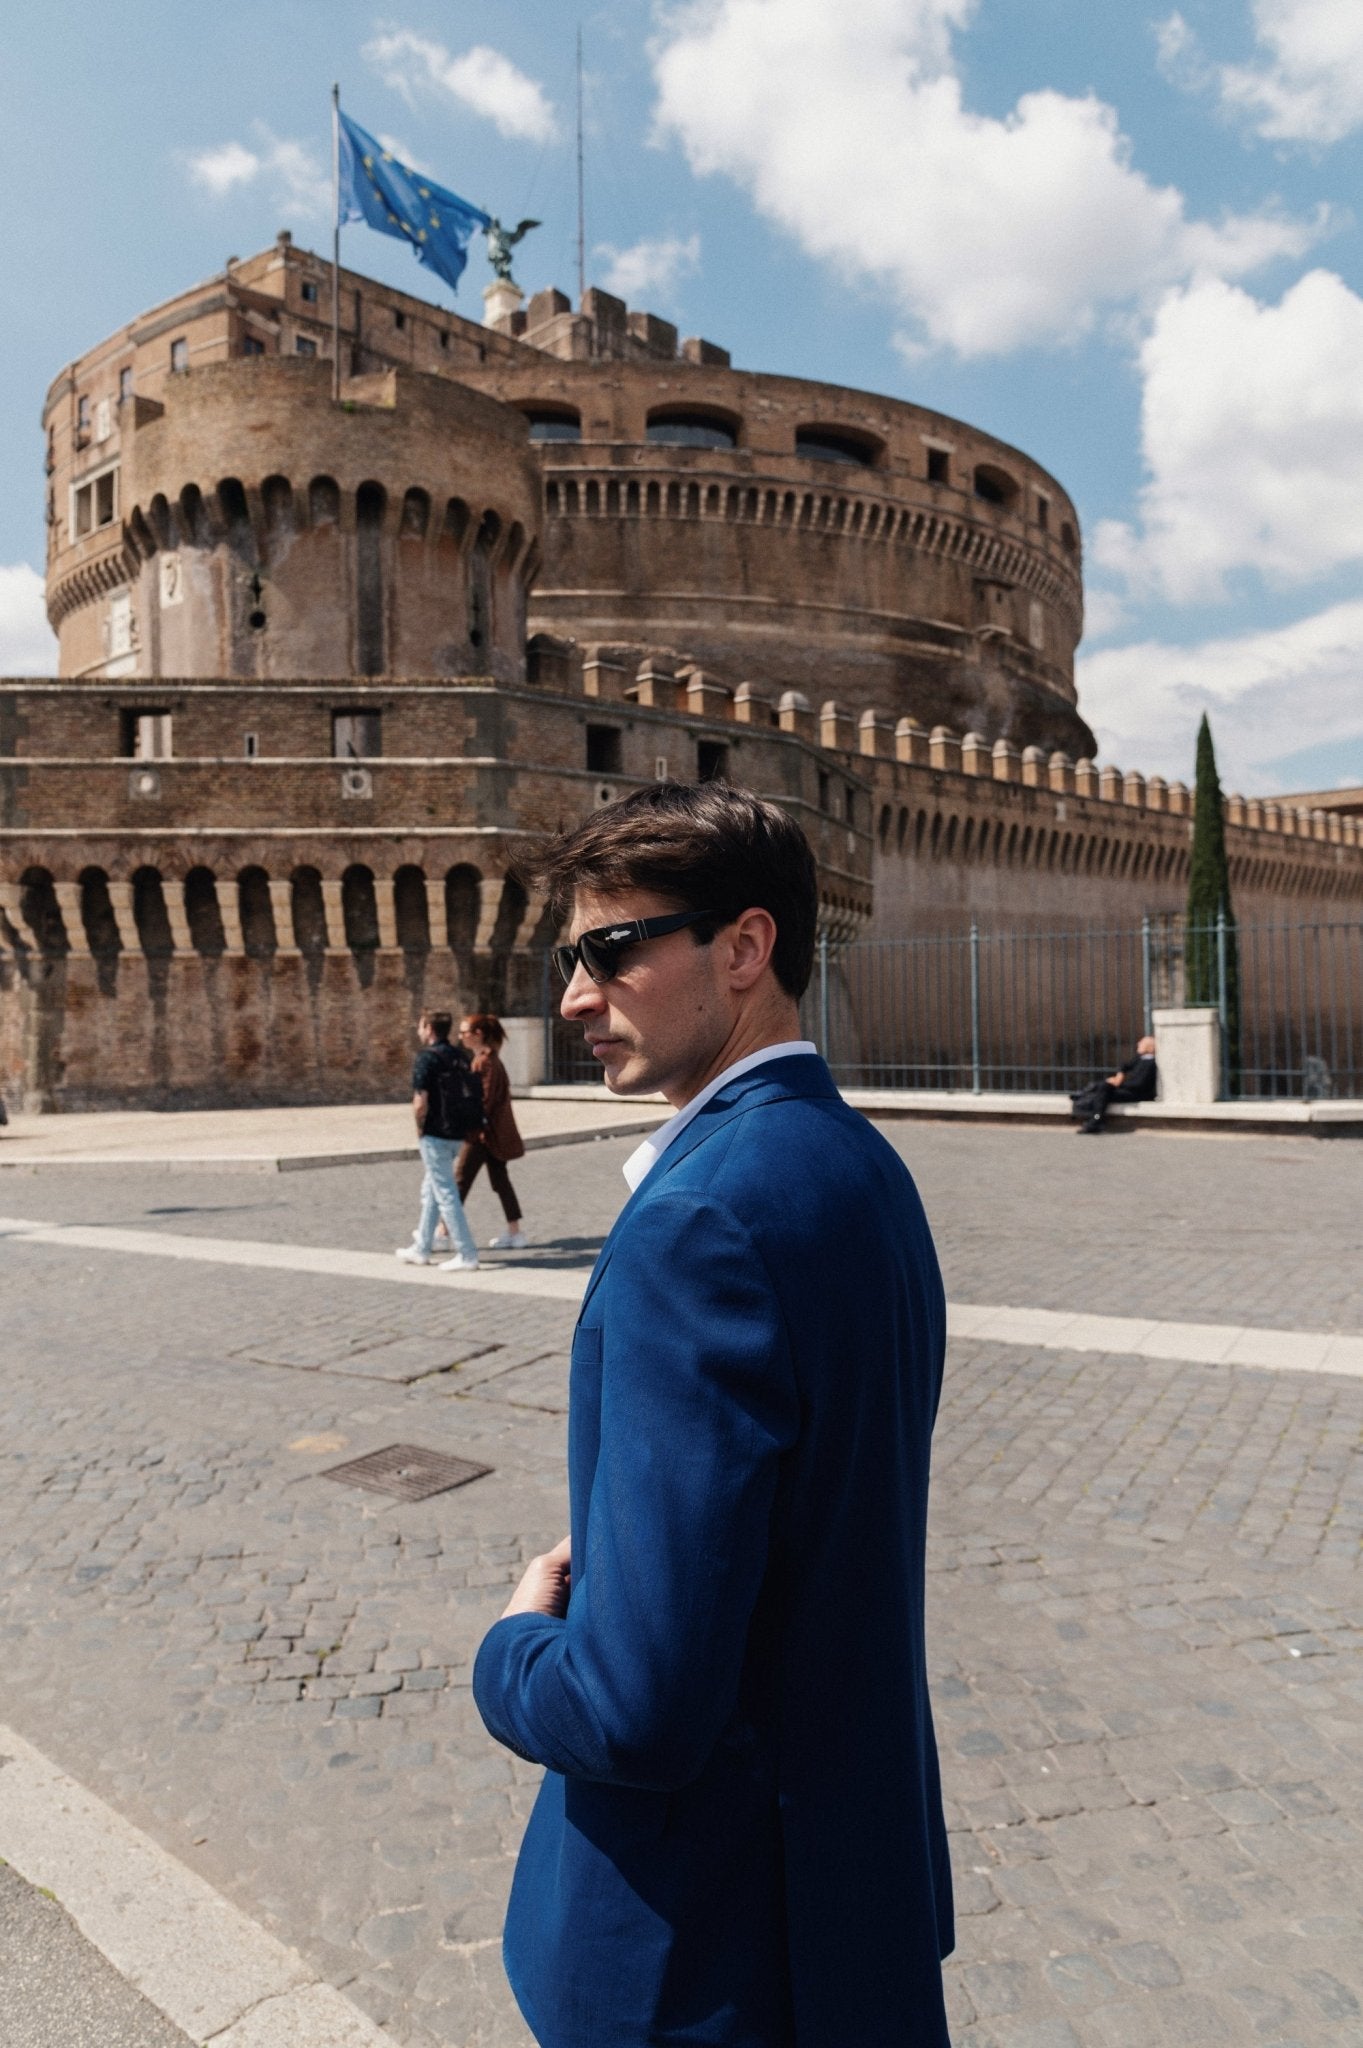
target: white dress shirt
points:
(642, 1161)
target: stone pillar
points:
(1178, 799)
(173, 890)
(10, 895)
(281, 903)
(1060, 773)
(604, 679)
(68, 896)
(1235, 809)
(944, 749)
(1007, 763)
(1033, 768)
(707, 697)
(753, 705)
(836, 729)
(436, 913)
(387, 913)
(875, 734)
(121, 903)
(1189, 1055)
(489, 903)
(333, 902)
(229, 909)
(1254, 813)
(523, 1053)
(534, 910)
(1085, 778)
(794, 714)
(1157, 794)
(502, 300)
(1110, 781)
(976, 755)
(1133, 789)
(655, 686)
(911, 742)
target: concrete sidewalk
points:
(289, 1140)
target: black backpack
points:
(456, 1096)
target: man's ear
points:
(752, 940)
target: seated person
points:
(1135, 1082)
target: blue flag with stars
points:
(373, 186)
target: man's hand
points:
(544, 1587)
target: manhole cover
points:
(407, 1472)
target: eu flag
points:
(372, 185)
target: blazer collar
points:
(801, 1075)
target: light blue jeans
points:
(440, 1197)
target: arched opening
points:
(236, 517)
(256, 911)
(416, 514)
(370, 500)
(692, 427)
(324, 501)
(309, 911)
(995, 485)
(150, 914)
(359, 907)
(97, 915)
(553, 422)
(481, 623)
(837, 444)
(194, 517)
(203, 913)
(410, 912)
(41, 912)
(461, 907)
(276, 498)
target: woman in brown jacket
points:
(499, 1140)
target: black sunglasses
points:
(599, 951)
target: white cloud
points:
(655, 267)
(848, 127)
(27, 644)
(1269, 694)
(289, 168)
(482, 79)
(1252, 429)
(1308, 84)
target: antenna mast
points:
(581, 199)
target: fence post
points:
(546, 1012)
(823, 994)
(1145, 975)
(1221, 1005)
(974, 1007)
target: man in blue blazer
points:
(739, 1838)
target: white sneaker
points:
(410, 1256)
(459, 1264)
(509, 1241)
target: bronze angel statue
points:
(501, 241)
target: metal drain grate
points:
(407, 1472)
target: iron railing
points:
(1048, 1011)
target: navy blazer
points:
(739, 1837)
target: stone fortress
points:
(327, 663)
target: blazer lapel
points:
(799, 1075)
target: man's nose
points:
(583, 997)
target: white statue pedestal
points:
(501, 299)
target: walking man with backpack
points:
(447, 1102)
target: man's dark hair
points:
(706, 846)
(440, 1022)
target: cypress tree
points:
(1208, 899)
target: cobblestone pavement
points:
(1147, 1612)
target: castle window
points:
(995, 486)
(82, 415)
(444, 337)
(251, 746)
(125, 386)
(179, 354)
(553, 423)
(308, 292)
(849, 803)
(832, 444)
(94, 503)
(399, 317)
(1068, 539)
(825, 787)
(691, 430)
(939, 466)
(252, 345)
(304, 346)
(712, 761)
(603, 749)
(1043, 511)
(146, 735)
(356, 735)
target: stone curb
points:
(213, 1972)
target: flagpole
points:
(336, 241)
(581, 194)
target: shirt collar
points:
(646, 1156)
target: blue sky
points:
(1125, 239)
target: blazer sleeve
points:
(698, 1404)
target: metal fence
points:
(1048, 1011)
